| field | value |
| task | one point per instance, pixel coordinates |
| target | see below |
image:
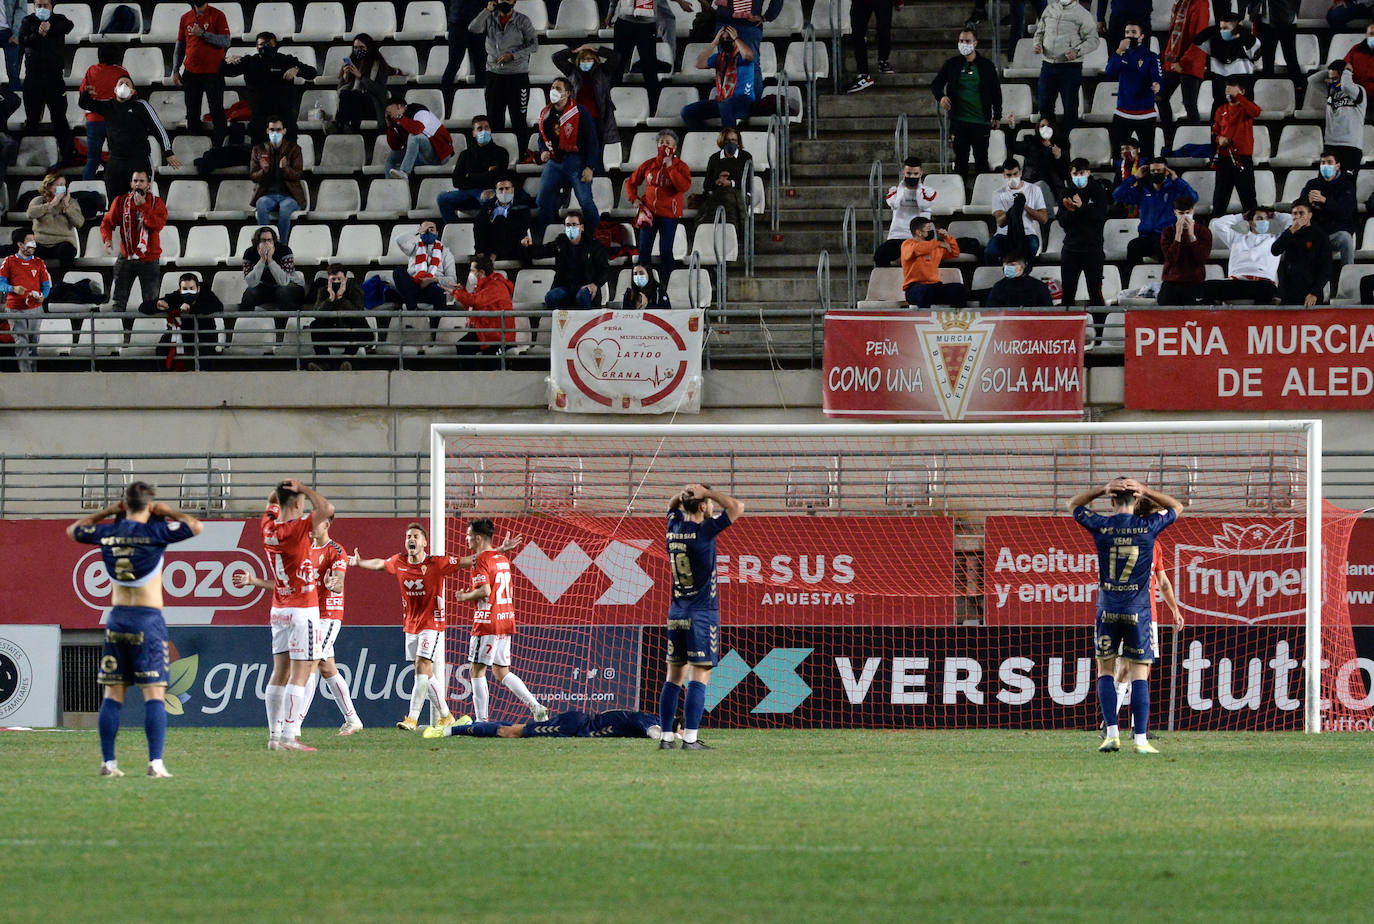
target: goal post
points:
(876, 566)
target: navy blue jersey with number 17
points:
(1125, 556)
(692, 556)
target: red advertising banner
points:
(771, 570)
(1256, 360)
(1225, 570)
(953, 365)
(1359, 573)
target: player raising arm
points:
(135, 648)
(1125, 559)
(616, 723)
(694, 613)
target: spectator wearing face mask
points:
(43, 35)
(202, 37)
(1304, 260)
(1253, 268)
(1083, 215)
(665, 180)
(1064, 36)
(100, 78)
(910, 198)
(1046, 154)
(25, 283)
(1231, 52)
(129, 122)
(339, 296)
(736, 83)
(723, 182)
(276, 167)
(1017, 288)
(190, 314)
(569, 151)
(1152, 189)
(1346, 102)
(362, 85)
(644, 290)
(417, 138)
(1233, 137)
(474, 173)
(592, 72)
(502, 223)
(921, 258)
(1185, 245)
(746, 18)
(269, 83)
(430, 272)
(580, 266)
(1331, 194)
(1018, 209)
(969, 91)
(486, 292)
(510, 40)
(1139, 77)
(1123, 13)
(56, 219)
(140, 217)
(1360, 59)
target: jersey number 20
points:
(503, 592)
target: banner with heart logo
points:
(626, 362)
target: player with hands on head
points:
(694, 613)
(135, 650)
(1125, 559)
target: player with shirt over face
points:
(135, 648)
(295, 614)
(614, 723)
(1125, 560)
(694, 614)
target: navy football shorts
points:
(135, 650)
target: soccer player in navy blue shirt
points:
(1125, 560)
(614, 723)
(694, 614)
(135, 650)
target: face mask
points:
(1157, 179)
(59, 190)
(1046, 132)
(730, 148)
(966, 48)
(1135, 41)
(1328, 171)
(1370, 41)
(1261, 226)
(1227, 35)
(359, 54)
(585, 66)
(27, 250)
(484, 137)
(1009, 271)
(472, 281)
(665, 150)
(42, 15)
(641, 281)
(504, 8)
(1080, 181)
(573, 233)
(1014, 182)
(189, 293)
(911, 181)
(505, 198)
(275, 137)
(124, 91)
(266, 51)
(429, 237)
(555, 96)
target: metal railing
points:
(747, 219)
(901, 140)
(823, 280)
(811, 65)
(946, 156)
(876, 197)
(720, 251)
(774, 177)
(836, 58)
(849, 239)
(694, 281)
(995, 20)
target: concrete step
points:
(810, 241)
(789, 288)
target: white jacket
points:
(1064, 27)
(1250, 254)
(907, 204)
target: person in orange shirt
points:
(921, 256)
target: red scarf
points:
(428, 260)
(567, 129)
(727, 74)
(174, 343)
(135, 236)
(644, 6)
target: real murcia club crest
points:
(953, 343)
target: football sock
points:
(418, 694)
(109, 726)
(341, 696)
(437, 706)
(481, 699)
(692, 709)
(154, 726)
(310, 686)
(522, 693)
(477, 729)
(291, 712)
(275, 694)
(667, 703)
(1106, 698)
(1140, 708)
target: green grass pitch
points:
(771, 826)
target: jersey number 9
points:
(682, 569)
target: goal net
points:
(911, 576)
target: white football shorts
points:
(428, 644)
(489, 649)
(329, 631)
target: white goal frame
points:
(1310, 428)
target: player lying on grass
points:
(135, 650)
(615, 723)
(1125, 559)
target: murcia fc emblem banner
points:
(953, 365)
(626, 362)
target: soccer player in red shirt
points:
(421, 578)
(493, 623)
(286, 529)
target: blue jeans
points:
(559, 175)
(923, 295)
(665, 229)
(418, 152)
(729, 112)
(459, 200)
(95, 144)
(562, 298)
(285, 207)
(1338, 17)
(998, 248)
(1063, 81)
(12, 54)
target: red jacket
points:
(201, 56)
(1180, 55)
(1183, 261)
(140, 228)
(420, 121)
(1361, 61)
(101, 80)
(1236, 123)
(664, 187)
(32, 274)
(493, 293)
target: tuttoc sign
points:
(1300, 360)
